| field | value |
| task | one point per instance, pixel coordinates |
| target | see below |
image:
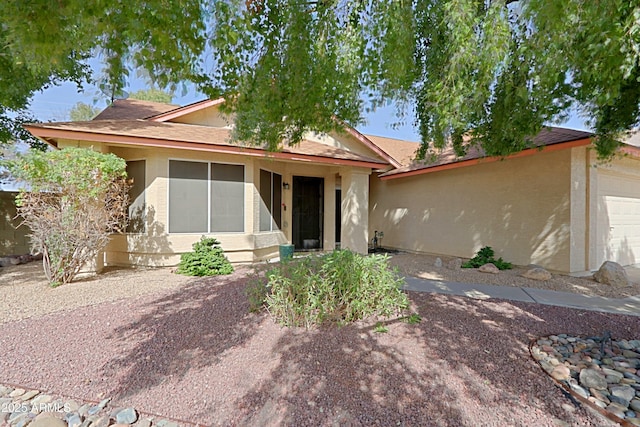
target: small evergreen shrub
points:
(341, 286)
(207, 259)
(484, 256)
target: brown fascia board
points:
(481, 160)
(47, 133)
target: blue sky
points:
(54, 104)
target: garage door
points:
(618, 219)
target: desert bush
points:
(341, 286)
(484, 256)
(207, 259)
(73, 200)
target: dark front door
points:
(307, 211)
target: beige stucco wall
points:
(355, 219)
(208, 117)
(520, 207)
(13, 237)
(157, 247)
(342, 140)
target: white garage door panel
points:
(619, 220)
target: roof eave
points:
(47, 133)
(482, 160)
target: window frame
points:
(209, 182)
(272, 219)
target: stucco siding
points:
(520, 207)
(13, 237)
(208, 117)
(158, 247)
(343, 141)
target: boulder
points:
(489, 268)
(438, 263)
(611, 273)
(537, 273)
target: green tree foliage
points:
(82, 112)
(495, 70)
(73, 199)
(152, 94)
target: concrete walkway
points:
(630, 306)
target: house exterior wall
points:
(520, 207)
(355, 216)
(344, 141)
(579, 216)
(13, 238)
(207, 117)
(158, 247)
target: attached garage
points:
(556, 205)
(618, 212)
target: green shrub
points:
(341, 286)
(485, 256)
(207, 259)
(71, 200)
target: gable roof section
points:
(369, 144)
(549, 139)
(400, 150)
(131, 109)
(192, 137)
(187, 109)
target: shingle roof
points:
(402, 151)
(131, 109)
(189, 133)
(547, 137)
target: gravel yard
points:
(189, 349)
(424, 266)
(25, 293)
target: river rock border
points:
(22, 407)
(599, 371)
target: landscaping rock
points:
(489, 268)
(537, 273)
(625, 393)
(127, 416)
(74, 420)
(607, 380)
(437, 263)
(48, 422)
(561, 373)
(611, 273)
(590, 378)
